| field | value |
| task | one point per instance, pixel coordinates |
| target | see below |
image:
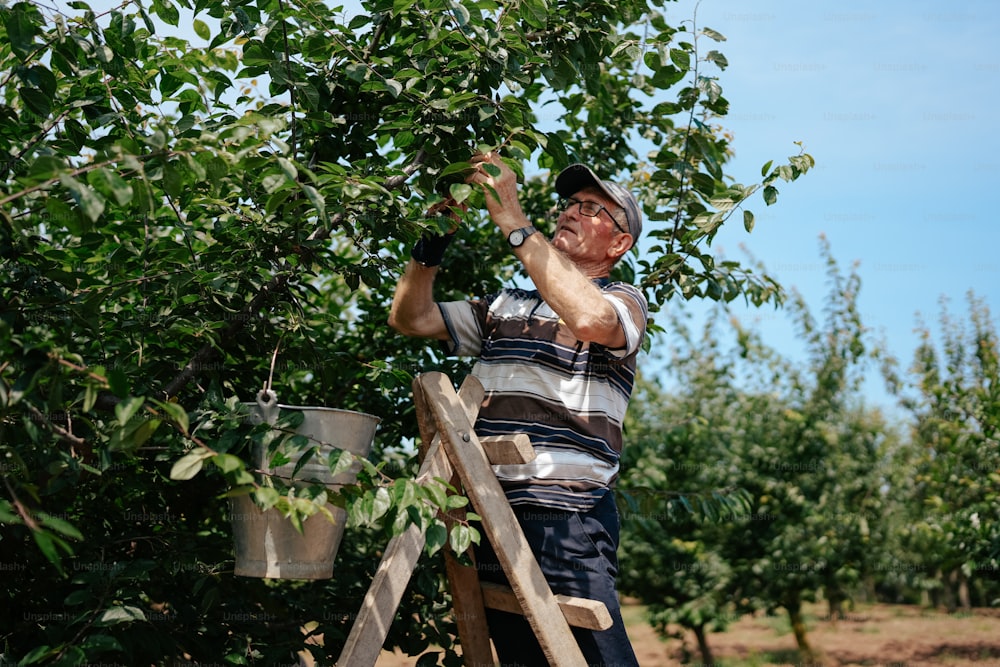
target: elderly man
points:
(557, 363)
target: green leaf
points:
(463, 168)
(462, 15)
(356, 72)
(118, 383)
(266, 496)
(111, 185)
(166, 11)
(711, 88)
(201, 29)
(61, 526)
(227, 463)
(436, 493)
(177, 414)
(394, 87)
(748, 220)
(534, 13)
(340, 461)
(456, 501)
(460, 538)
(713, 34)
(35, 101)
(90, 394)
(189, 465)
(304, 459)
(126, 409)
(119, 614)
(7, 513)
(460, 191)
(256, 53)
(45, 167)
(90, 203)
(288, 169)
(435, 537)
(380, 503)
(717, 58)
(36, 655)
(104, 54)
(316, 199)
(50, 545)
(20, 29)
(666, 109)
(173, 180)
(681, 59)
(770, 194)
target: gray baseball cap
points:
(576, 177)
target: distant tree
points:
(814, 462)
(798, 440)
(953, 392)
(673, 469)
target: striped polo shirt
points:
(567, 395)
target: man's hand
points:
(448, 205)
(505, 207)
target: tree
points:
(797, 441)
(186, 218)
(674, 483)
(953, 459)
(814, 461)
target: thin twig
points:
(274, 358)
(288, 72)
(23, 511)
(55, 428)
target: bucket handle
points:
(267, 401)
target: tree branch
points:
(394, 182)
(55, 428)
(208, 350)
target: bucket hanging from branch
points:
(267, 544)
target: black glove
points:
(429, 250)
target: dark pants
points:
(577, 553)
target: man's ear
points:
(620, 245)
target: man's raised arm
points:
(414, 311)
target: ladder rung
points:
(508, 449)
(579, 612)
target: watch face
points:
(516, 237)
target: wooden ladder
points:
(451, 450)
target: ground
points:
(869, 636)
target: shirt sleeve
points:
(633, 310)
(465, 321)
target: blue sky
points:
(897, 102)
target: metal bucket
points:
(266, 543)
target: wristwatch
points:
(516, 237)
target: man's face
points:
(588, 239)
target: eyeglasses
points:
(589, 208)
